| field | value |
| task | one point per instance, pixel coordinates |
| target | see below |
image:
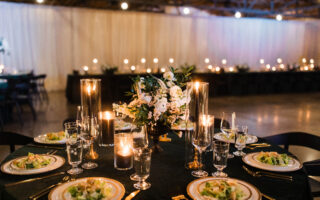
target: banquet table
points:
(168, 176)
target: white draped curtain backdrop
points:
(56, 40)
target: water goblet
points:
(226, 129)
(142, 163)
(241, 139)
(201, 139)
(140, 140)
(74, 153)
(220, 157)
(89, 132)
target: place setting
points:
(158, 100)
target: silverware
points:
(44, 146)
(179, 197)
(257, 146)
(33, 179)
(267, 197)
(47, 189)
(132, 194)
(267, 174)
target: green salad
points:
(273, 158)
(55, 136)
(32, 161)
(222, 190)
(92, 189)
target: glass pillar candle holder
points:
(90, 97)
(196, 107)
(107, 129)
(123, 154)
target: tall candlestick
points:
(107, 126)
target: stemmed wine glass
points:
(89, 132)
(201, 139)
(226, 129)
(140, 141)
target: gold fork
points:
(270, 175)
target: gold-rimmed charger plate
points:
(221, 136)
(194, 188)
(42, 139)
(8, 168)
(60, 192)
(250, 159)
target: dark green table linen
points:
(168, 175)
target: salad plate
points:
(223, 137)
(213, 188)
(98, 188)
(51, 138)
(272, 161)
(32, 164)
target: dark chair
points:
(300, 139)
(39, 87)
(12, 139)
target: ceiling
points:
(248, 8)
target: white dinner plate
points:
(9, 168)
(251, 159)
(60, 192)
(195, 187)
(42, 139)
(222, 137)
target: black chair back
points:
(12, 139)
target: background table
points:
(168, 175)
(113, 87)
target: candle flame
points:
(107, 115)
(125, 149)
(197, 85)
(94, 87)
(89, 89)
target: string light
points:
(311, 61)
(279, 60)
(237, 15)
(125, 61)
(171, 60)
(207, 60)
(210, 67)
(133, 68)
(231, 69)
(304, 60)
(40, 1)
(85, 68)
(163, 69)
(95, 61)
(124, 5)
(224, 61)
(143, 60)
(282, 66)
(155, 60)
(217, 69)
(268, 66)
(148, 70)
(261, 61)
(279, 17)
(274, 69)
(186, 11)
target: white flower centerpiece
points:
(158, 103)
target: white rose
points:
(161, 105)
(145, 98)
(175, 91)
(168, 75)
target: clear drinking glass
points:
(142, 163)
(140, 140)
(71, 131)
(74, 152)
(241, 138)
(89, 133)
(201, 139)
(220, 157)
(228, 130)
